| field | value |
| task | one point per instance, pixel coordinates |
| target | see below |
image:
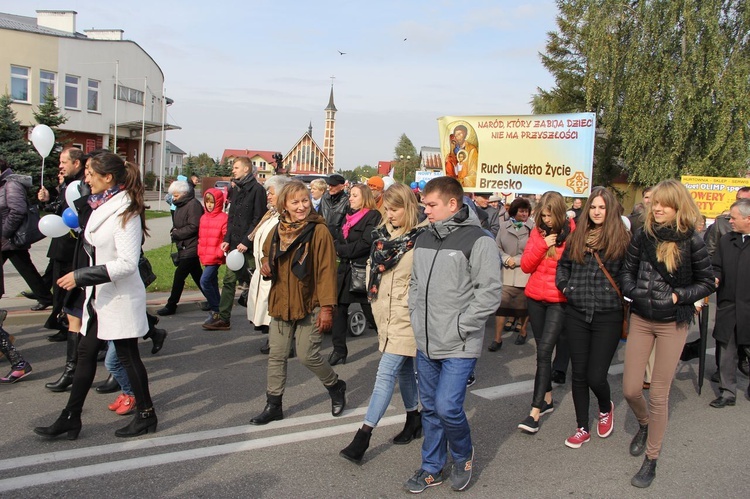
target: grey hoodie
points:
(455, 286)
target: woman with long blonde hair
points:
(390, 272)
(546, 303)
(666, 270)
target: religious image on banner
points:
(520, 154)
(463, 153)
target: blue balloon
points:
(414, 185)
(70, 218)
(422, 184)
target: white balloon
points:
(387, 182)
(72, 192)
(43, 139)
(235, 260)
(53, 226)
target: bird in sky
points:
(341, 53)
(404, 39)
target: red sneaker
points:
(116, 404)
(581, 437)
(606, 422)
(127, 406)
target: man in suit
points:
(731, 263)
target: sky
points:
(253, 74)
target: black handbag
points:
(28, 233)
(146, 271)
(358, 283)
(175, 255)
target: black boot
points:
(157, 336)
(61, 335)
(355, 451)
(152, 322)
(271, 412)
(143, 422)
(638, 444)
(71, 359)
(645, 475)
(412, 428)
(109, 386)
(338, 397)
(69, 422)
(265, 349)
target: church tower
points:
(328, 142)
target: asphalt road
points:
(207, 385)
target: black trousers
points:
(190, 266)
(129, 356)
(341, 325)
(21, 260)
(59, 268)
(547, 321)
(592, 346)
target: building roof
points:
(249, 153)
(330, 106)
(384, 167)
(174, 149)
(25, 23)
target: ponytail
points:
(134, 187)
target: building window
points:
(71, 91)
(130, 95)
(93, 96)
(19, 84)
(47, 83)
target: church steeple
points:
(309, 129)
(329, 147)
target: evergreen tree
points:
(405, 167)
(49, 114)
(14, 147)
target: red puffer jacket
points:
(534, 261)
(211, 231)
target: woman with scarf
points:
(257, 298)
(300, 261)
(115, 303)
(666, 270)
(184, 234)
(353, 242)
(588, 274)
(546, 303)
(511, 241)
(388, 289)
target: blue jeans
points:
(113, 365)
(210, 286)
(442, 390)
(392, 367)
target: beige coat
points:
(391, 310)
(511, 243)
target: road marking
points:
(150, 443)
(77, 473)
(523, 387)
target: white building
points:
(85, 72)
(175, 160)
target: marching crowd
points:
(429, 270)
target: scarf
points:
(316, 203)
(270, 213)
(683, 274)
(386, 253)
(292, 236)
(352, 220)
(561, 237)
(516, 224)
(96, 200)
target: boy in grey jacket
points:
(455, 287)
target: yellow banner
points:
(521, 154)
(714, 195)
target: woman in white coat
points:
(259, 289)
(115, 297)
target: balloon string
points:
(41, 180)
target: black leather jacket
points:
(333, 209)
(651, 294)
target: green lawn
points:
(164, 270)
(156, 214)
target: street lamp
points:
(401, 160)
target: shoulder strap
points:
(607, 274)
